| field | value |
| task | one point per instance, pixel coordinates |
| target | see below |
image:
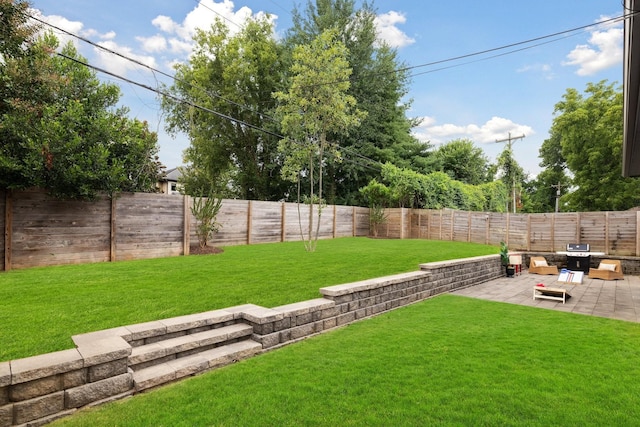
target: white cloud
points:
(604, 50)
(545, 70)
(116, 64)
(387, 29)
(202, 17)
(494, 129)
(73, 27)
(153, 44)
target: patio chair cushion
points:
(607, 266)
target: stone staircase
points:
(170, 349)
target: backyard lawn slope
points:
(43, 307)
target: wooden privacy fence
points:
(614, 233)
(40, 230)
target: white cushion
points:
(607, 266)
(540, 263)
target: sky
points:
(485, 97)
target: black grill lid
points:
(578, 247)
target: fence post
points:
(335, 211)
(8, 220)
(553, 231)
(528, 232)
(487, 228)
(353, 220)
(506, 239)
(607, 246)
(249, 223)
(112, 230)
(186, 233)
(452, 225)
(283, 225)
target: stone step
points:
(172, 370)
(174, 348)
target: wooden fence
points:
(614, 233)
(40, 230)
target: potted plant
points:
(504, 259)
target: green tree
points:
(589, 129)
(462, 161)
(512, 175)
(379, 84)
(60, 129)
(316, 104)
(232, 76)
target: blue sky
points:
(483, 97)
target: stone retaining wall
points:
(37, 390)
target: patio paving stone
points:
(616, 299)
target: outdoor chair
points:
(539, 265)
(609, 269)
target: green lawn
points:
(449, 360)
(41, 308)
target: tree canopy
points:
(462, 161)
(587, 129)
(227, 85)
(378, 83)
(59, 125)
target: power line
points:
(163, 93)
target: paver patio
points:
(616, 299)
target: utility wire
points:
(175, 98)
(369, 76)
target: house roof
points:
(631, 70)
(173, 175)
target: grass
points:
(41, 308)
(449, 360)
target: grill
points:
(578, 257)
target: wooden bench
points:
(556, 294)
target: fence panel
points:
(344, 221)
(622, 233)
(47, 231)
(479, 227)
(593, 230)
(234, 218)
(497, 228)
(148, 226)
(565, 230)
(461, 225)
(266, 222)
(361, 221)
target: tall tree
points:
(589, 128)
(463, 161)
(513, 177)
(59, 127)
(379, 85)
(232, 76)
(316, 104)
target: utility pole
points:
(509, 140)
